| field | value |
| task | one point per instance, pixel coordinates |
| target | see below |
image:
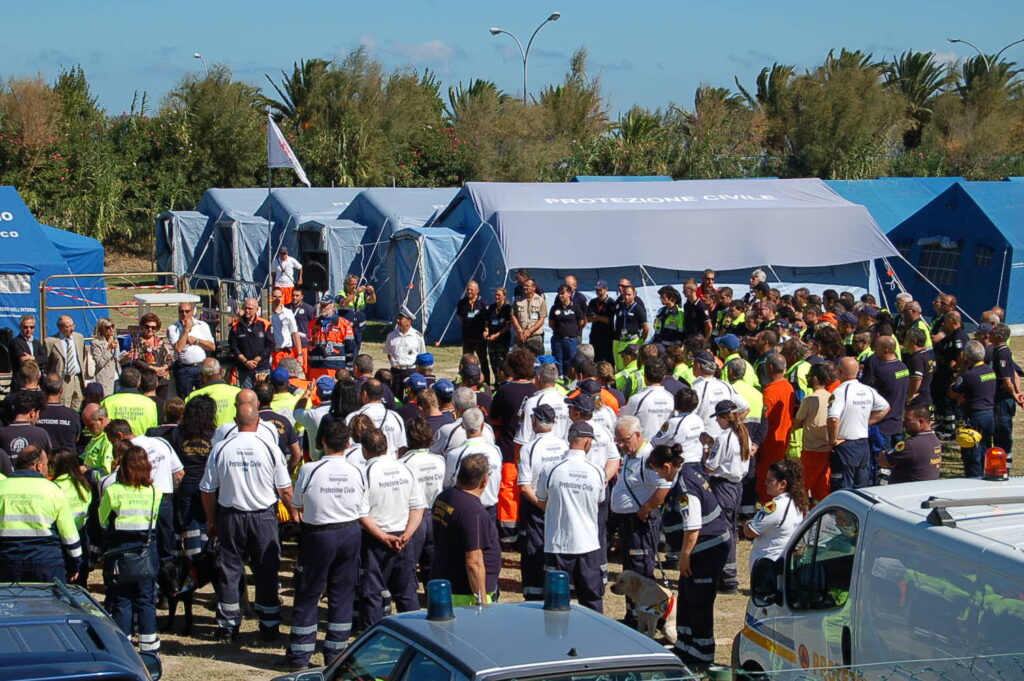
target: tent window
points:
(939, 261)
(15, 283)
(983, 256)
(904, 246)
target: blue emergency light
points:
(439, 600)
(556, 590)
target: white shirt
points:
(543, 451)
(452, 435)
(192, 354)
(402, 348)
(392, 491)
(162, 458)
(285, 270)
(429, 470)
(636, 476)
(606, 417)
(602, 447)
(711, 391)
(549, 396)
(685, 431)
(726, 458)
(310, 420)
(386, 420)
(245, 472)
(330, 491)
(573, 489)
(476, 445)
(284, 326)
(266, 431)
(653, 406)
(774, 524)
(354, 455)
(852, 403)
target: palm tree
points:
(461, 98)
(297, 91)
(771, 98)
(920, 79)
(979, 77)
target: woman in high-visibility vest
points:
(128, 511)
(66, 471)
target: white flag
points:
(280, 154)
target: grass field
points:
(201, 658)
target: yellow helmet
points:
(967, 437)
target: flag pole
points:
(270, 224)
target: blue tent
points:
(1015, 179)
(385, 211)
(341, 240)
(891, 200)
(621, 178)
(243, 201)
(184, 243)
(597, 230)
(968, 241)
(289, 207)
(32, 252)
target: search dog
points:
(651, 600)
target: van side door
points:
(818, 580)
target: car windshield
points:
(668, 674)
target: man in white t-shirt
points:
(547, 393)
(545, 450)
(191, 339)
(654, 404)
(396, 507)
(287, 274)
(167, 472)
(571, 492)
(710, 391)
(287, 341)
(244, 479)
(854, 407)
(388, 420)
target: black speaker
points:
(315, 273)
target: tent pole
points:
(1002, 271)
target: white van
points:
(885, 578)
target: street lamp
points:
(196, 55)
(984, 57)
(554, 16)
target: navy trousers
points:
(729, 495)
(850, 465)
(695, 609)
(386, 572)
(974, 457)
(531, 550)
(329, 557)
(585, 574)
(248, 536)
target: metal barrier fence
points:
(974, 668)
(46, 287)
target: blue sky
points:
(650, 53)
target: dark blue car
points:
(53, 632)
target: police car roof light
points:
(439, 600)
(995, 464)
(556, 590)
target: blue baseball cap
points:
(325, 386)
(444, 388)
(416, 382)
(545, 359)
(281, 375)
(425, 359)
(729, 340)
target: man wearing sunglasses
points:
(191, 339)
(25, 346)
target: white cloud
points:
(948, 57)
(433, 53)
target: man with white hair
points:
(901, 302)
(975, 390)
(473, 422)
(759, 288)
(452, 435)
(547, 393)
(637, 497)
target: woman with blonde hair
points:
(105, 352)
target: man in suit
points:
(25, 346)
(67, 359)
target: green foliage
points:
(354, 123)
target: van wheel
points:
(751, 671)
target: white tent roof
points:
(687, 225)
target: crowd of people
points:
(720, 416)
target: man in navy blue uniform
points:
(1008, 394)
(975, 389)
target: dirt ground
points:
(201, 658)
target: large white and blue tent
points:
(891, 200)
(30, 253)
(385, 211)
(655, 233)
